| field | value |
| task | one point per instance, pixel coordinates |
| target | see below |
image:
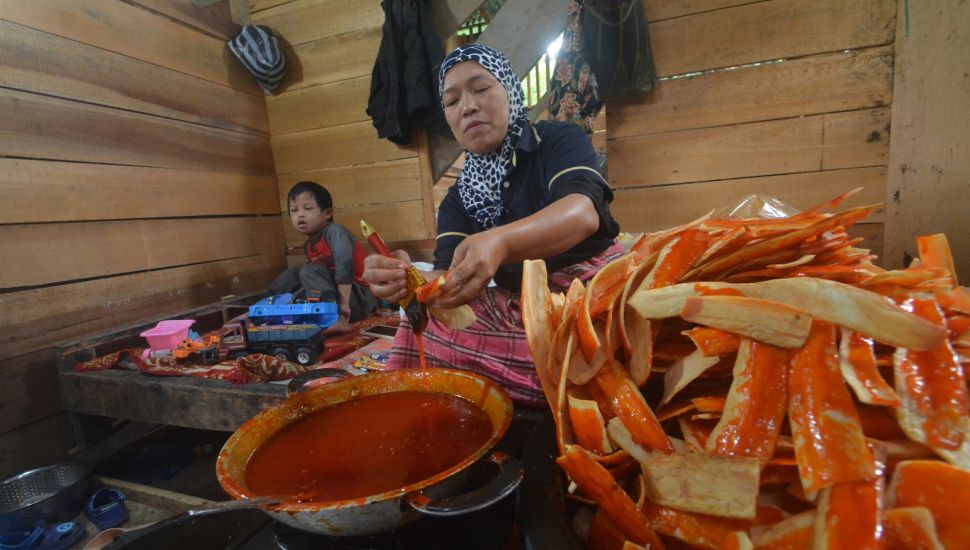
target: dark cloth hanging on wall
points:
(574, 94)
(617, 45)
(402, 89)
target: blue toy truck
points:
(276, 326)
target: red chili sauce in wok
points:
(368, 446)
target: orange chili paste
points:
(366, 446)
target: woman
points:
(525, 191)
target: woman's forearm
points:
(550, 231)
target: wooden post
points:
(929, 156)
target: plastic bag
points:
(757, 206)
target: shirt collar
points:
(528, 142)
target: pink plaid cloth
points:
(495, 345)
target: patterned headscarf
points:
(480, 181)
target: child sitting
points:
(336, 259)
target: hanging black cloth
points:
(617, 46)
(402, 88)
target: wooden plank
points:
(657, 10)
(599, 141)
(769, 30)
(29, 391)
(523, 30)
(70, 311)
(393, 181)
(260, 5)
(43, 127)
(107, 192)
(427, 183)
(177, 401)
(661, 207)
(134, 32)
(856, 138)
(304, 21)
(39, 254)
(757, 149)
(398, 221)
(214, 20)
(320, 106)
(448, 15)
(929, 174)
(343, 145)
(40, 62)
(44, 442)
(331, 59)
(812, 85)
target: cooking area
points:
(485, 274)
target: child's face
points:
(306, 216)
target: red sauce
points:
(368, 446)
(421, 357)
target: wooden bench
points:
(111, 408)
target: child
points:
(336, 259)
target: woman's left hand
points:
(473, 265)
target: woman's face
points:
(476, 107)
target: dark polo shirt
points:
(552, 159)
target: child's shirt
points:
(336, 249)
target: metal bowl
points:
(53, 493)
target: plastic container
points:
(167, 334)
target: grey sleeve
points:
(341, 242)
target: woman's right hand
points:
(386, 276)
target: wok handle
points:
(506, 479)
(298, 383)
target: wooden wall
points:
(787, 98)
(929, 161)
(321, 131)
(136, 179)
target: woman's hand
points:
(386, 277)
(473, 265)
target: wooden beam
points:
(448, 15)
(523, 30)
(929, 160)
(177, 401)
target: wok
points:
(389, 510)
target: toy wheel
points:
(305, 356)
(281, 353)
(209, 356)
